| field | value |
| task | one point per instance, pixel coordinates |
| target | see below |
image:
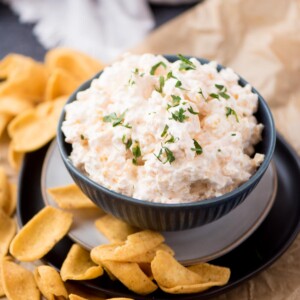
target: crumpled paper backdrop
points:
(260, 40)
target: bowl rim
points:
(182, 205)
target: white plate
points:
(198, 244)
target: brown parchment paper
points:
(260, 40)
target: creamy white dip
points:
(165, 132)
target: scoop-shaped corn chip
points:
(80, 65)
(60, 83)
(13, 199)
(22, 77)
(76, 297)
(39, 122)
(137, 248)
(79, 266)
(139, 243)
(4, 191)
(18, 282)
(168, 272)
(14, 158)
(114, 229)
(2, 293)
(211, 273)
(174, 278)
(7, 232)
(4, 119)
(40, 234)
(14, 105)
(131, 275)
(50, 283)
(70, 197)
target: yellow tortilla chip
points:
(11, 208)
(174, 278)
(4, 191)
(14, 158)
(7, 232)
(2, 293)
(22, 77)
(13, 105)
(114, 229)
(70, 197)
(131, 275)
(78, 64)
(76, 297)
(79, 266)
(211, 273)
(41, 234)
(168, 272)
(136, 245)
(18, 282)
(4, 119)
(50, 283)
(60, 83)
(35, 127)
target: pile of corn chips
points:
(32, 95)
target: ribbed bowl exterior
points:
(171, 217)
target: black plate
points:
(259, 251)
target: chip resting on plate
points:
(114, 229)
(7, 232)
(137, 245)
(174, 278)
(41, 234)
(71, 197)
(49, 283)
(18, 282)
(35, 127)
(4, 191)
(131, 275)
(79, 266)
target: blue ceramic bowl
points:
(171, 217)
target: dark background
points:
(18, 38)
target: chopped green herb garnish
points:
(233, 134)
(153, 69)
(201, 92)
(165, 131)
(198, 148)
(136, 152)
(190, 109)
(171, 140)
(213, 95)
(161, 84)
(82, 137)
(170, 75)
(136, 71)
(175, 101)
(224, 95)
(179, 115)
(219, 150)
(178, 84)
(127, 143)
(230, 111)
(115, 120)
(168, 154)
(185, 64)
(220, 87)
(222, 91)
(131, 81)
